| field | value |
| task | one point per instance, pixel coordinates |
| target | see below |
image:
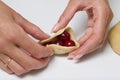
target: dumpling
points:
(62, 42)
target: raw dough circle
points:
(114, 38)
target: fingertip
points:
(74, 57)
(62, 22)
(51, 52)
(78, 57)
(56, 27)
(45, 36)
(70, 56)
(47, 52)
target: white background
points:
(103, 64)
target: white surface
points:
(103, 64)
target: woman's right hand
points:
(99, 17)
(18, 52)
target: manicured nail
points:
(51, 54)
(71, 56)
(77, 57)
(55, 27)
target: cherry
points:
(64, 36)
(62, 39)
(58, 42)
(70, 43)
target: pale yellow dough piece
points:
(62, 49)
(114, 38)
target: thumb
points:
(65, 17)
(30, 28)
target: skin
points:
(99, 17)
(26, 54)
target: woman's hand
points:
(99, 17)
(18, 52)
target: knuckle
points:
(13, 29)
(19, 18)
(100, 41)
(4, 32)
(15, 33)
(64, 17)
(11, 36)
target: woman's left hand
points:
(99, 17)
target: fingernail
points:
(77, 57)
(55, 27)
(71, 56)
(51, 54)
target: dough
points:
(62, 49)
(114, 38)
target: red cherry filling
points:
(70, 43)
(64, 36)
(62, 39)
(58, 42)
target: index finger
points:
(66, 16)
